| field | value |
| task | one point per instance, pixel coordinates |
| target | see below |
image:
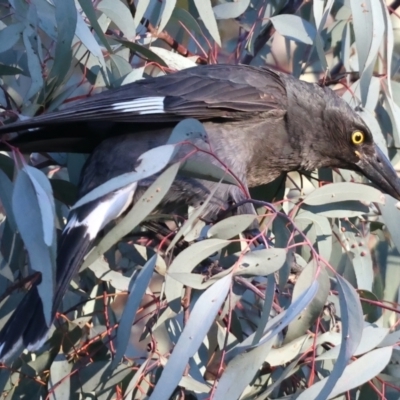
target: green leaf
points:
(34, 64)
(390, 214)
(137, 289)
(321, 233)
(120, 68)
(267, 307)
(369, 26)
(151, 162)
(169, 6)
(309, 315)
(206, 13)
(103, 272)
(186, 19)
(371, 337)
(86, 37)
(294, 27)
(10, 35)
(87, 7)
(204, 310)
(141, 7)
(99, 377)
(190, 130)
(207, 171)
(344, 191)
(59, 379)
(262, 262)
(354, 375)
(278, 323)
(256, 263)
(146, 53)
(230, 10)
(30, 209)
(282, 238)
(352, 324)
(340, 209)
(44, 194)
(186, 261)
(66, 20)
(119, 13)
(231, 226)
(6, 192)
(241, 370)
(8, 70)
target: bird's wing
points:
(204, 92)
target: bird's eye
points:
(357, 137)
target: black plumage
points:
(260, 123)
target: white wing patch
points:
(39, 343)
(145, 105)
(104, 212)
(16, 347)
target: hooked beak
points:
(377, 168)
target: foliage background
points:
(313, 315)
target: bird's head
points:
(357, 150)
(336, 136)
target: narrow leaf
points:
(206, 13)
(150, 163)
(344, 191)
(354, 375)
(294, 27)
(138, 286)
(352, 327)
(201, 318)
(185, 261)
(87, 7)
(28, 217)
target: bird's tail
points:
(27, 326)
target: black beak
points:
(380, 171)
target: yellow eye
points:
(357, 137)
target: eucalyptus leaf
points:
(344, 191)
(294, 27)
(352, 322)
(150, 163)
(137, 288)
(205, 11)
(27, 207)
(230, 10)
(185, 262)
(204, 310)
(354, 375)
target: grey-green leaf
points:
(294, 27)
(204, 310)
(138, 286)
(151, 162)
(28, 217)
(207, 15)
(344, 191)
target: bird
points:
(259, 122)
